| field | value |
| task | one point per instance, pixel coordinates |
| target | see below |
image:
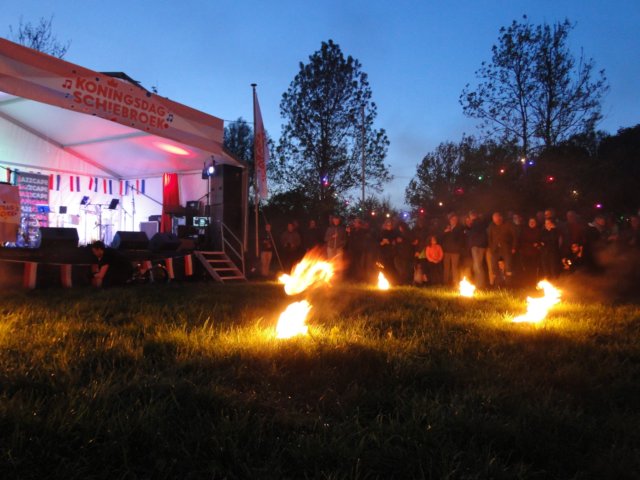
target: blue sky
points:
(418, 54)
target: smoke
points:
(616, 279)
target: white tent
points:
(102, 136)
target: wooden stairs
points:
(220, 267)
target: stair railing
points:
(232, 246)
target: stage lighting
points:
(208, 169)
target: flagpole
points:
(255, 173)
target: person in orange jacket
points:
(434, 254)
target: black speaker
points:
(130, 241)
(57, 237)
(164, 242)
(227, 197)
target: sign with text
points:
(37, 76)
(34, 193)
(9, 213)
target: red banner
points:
(260, 149)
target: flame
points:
(292, 320)
(537, 308)
(309, 271)
(383, 283)
(467, 288)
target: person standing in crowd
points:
(335, 237)
(420, 236)
(477, 244)
(356, 250)
(403, 254)
(550, 252)
(453, 243)
(501, 239)
(574, 231)
(561, 227)
(266, 251)
(434, 255)
(112, 267)
(369, 272)
(575, 260)
(518, 226)
(386, 242)
(290, 243)
(598, 236)
(312, 236)
(630, 237)
(529, 247)
(420, 233)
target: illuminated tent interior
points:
(104, 137)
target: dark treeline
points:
(587, 173)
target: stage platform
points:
(68, 267)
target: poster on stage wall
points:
(34, 206)
(9, 213)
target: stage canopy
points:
(106, 124)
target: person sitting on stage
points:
(112, 268)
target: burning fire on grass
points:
(383, 283)
(537, 308)
(467, 289)
(292, 320)
(312, 271)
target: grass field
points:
(187, 381)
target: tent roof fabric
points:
(107, 121)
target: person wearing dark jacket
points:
(290, 243)
(266, 251)
(550, 252)
(358, 245)
(453, 243)
(335, 237)
(112, 267)
(313, 237)
(403, 254)
(529, 246)
(477, 243)
(501, 238)
(386, 244)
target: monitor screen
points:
(200, 221)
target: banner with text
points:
(37, 76)
(34, 204)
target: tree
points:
(465, 175)
(238, 139)
(619, 160)
(436, 176)
(374, 211)
(40, 37)
(568, 102)
(320, 149)
(534, 91)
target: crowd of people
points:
(498, 249)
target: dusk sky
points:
(418, 54)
